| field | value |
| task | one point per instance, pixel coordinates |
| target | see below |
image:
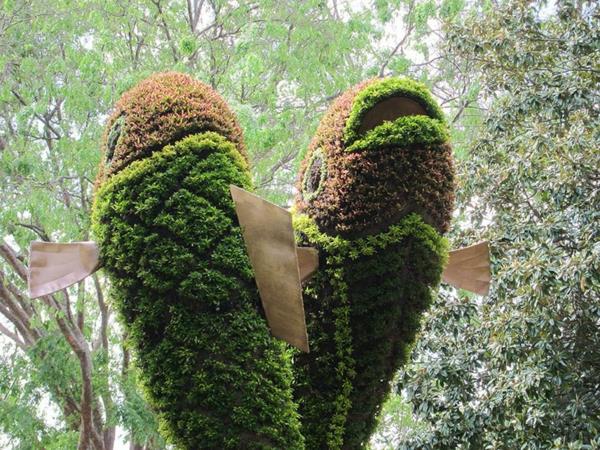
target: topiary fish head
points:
(161, 110)
(380, 153)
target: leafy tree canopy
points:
(520, 368)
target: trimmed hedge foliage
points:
(363, 311)
(376, 218)
(184, 287)
(160, 110)
(181, 279)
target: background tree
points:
(521, 368)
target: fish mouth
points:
(389, 110)
(386, 101)
(405, 131)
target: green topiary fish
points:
(169, 240)
(181, 279)
(375, 196)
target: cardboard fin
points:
(269, 238)
(308, 262)
(54, 266)
(469, 268)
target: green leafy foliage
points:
(184, 287)
(376, 275)
(363, 310)
(519, 369)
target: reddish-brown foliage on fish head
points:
(159, 111)
(355, 182)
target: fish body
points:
(376, 193)
(180, 276)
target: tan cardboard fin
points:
(269, 239)
(469, 268)
(53, 266)
(308, 262)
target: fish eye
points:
(389, 110)
(113, 138)
(315, 175)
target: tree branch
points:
(104, 312)
(26, 304)
(194, 9)
(400, 44)
(41, 118)
(80, 306)
(16, 314)
(39, 231)
(10, 256)
(165, 28)
(13, 337)
(89, 433)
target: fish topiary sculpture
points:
(204, 274)
(375, 196)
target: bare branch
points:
(11, 257)
(336, 13)
(165, 28)
(41, 118)
(68, 309)
(104, 312)
(26, 304)
(89, 433)
(194, 8)
(16, 314)
(16, 321)
(400, 44)
(80, 307)
(39, 231)
(13, 337)
(460, 111)
(285, 159)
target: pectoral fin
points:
(54, 266)
(469, 268)
(269, 239)
(308, 262)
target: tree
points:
(521, 367)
